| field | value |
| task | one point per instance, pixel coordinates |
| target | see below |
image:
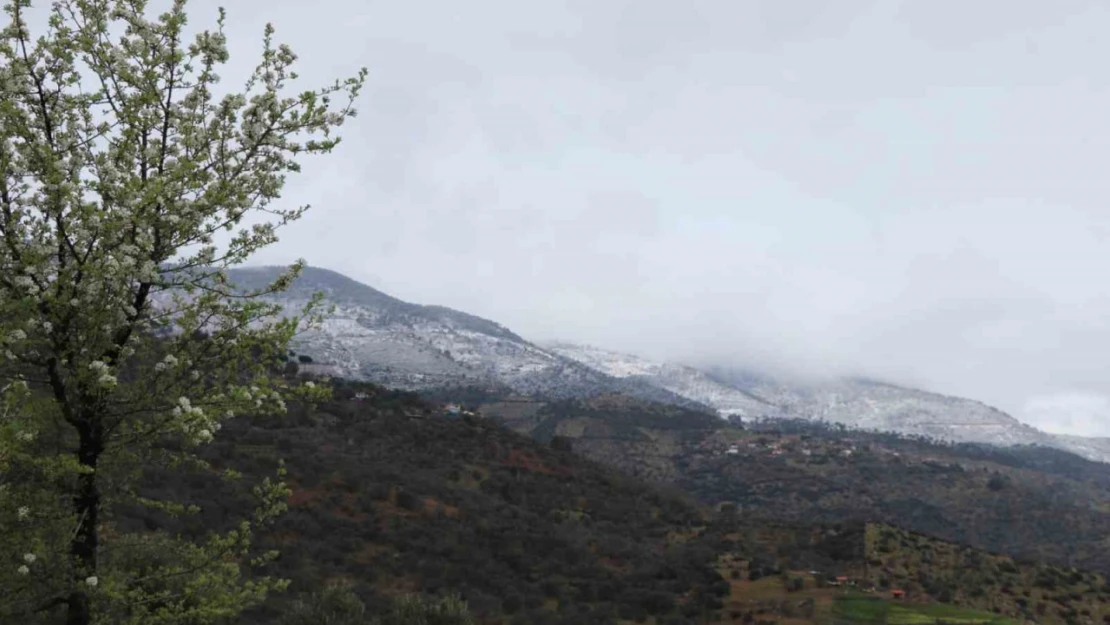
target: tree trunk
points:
(78, 612)
(87, 506)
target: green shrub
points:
(337, 604)
(418, 610)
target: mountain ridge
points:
(859, 402)
(375, 337)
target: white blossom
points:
(310, 384)
(86, 225)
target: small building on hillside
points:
(317, 369)
(898, 593)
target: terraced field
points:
(800, 598)
(871, 610)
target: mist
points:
(867, 188)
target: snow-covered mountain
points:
(855, 402)
(1092, 448)
(679, 379)
(373, 336)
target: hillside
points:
(679, 379)
(1027, 502)
(872, 573)
(858, 403)
(389, 494)
(373, 337)
(395, 495)
(949, 572)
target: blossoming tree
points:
(125, 180)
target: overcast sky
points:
(916, 190)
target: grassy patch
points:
(864, 610)
(860, 610)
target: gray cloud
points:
(910, 189)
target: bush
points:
(562, 443)
(417, 610)
(512, 604)
(337, 604)
(408, 501)
(658, 602)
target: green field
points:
(870, 610)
